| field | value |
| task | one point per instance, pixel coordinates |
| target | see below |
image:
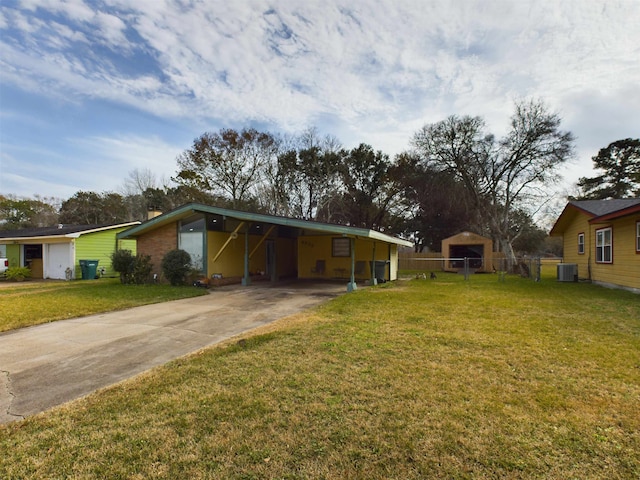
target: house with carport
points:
(55, 252)
(232, 246)
(602, 239)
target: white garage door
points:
(57, 257)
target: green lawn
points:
(29, 303)
(411, 380)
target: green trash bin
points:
(89, 269)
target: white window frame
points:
(581, 244)
(604, 246)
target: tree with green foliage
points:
(305, 180)
(17, 213)
(176, 264)
(620, 164)
(368, 193)
(91, 208)
(434, 203)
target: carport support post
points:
(246, 280)
(351, 286)
(374, 280)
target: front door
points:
(33, 260)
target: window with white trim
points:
(604, 246)
(581, 243)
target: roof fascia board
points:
(35, 239)
(570, 207)
(259, 217)
(100, 229)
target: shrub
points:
(132, 269)
(17, 274)
(141, 269)
(176, 264)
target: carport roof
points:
(191, 208)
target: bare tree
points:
(304, 182)
(500, 176)
(139, 180)
(228, 163)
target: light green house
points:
(55, 252)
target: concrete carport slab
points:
(47, 365)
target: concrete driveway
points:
(50, 364)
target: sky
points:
(92, 90)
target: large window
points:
(604, 248)
(581, 243)
(192, 240)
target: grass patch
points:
(32, 303)
(418, 379)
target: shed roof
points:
(306, 225)
(58, 231)
(596, 210)
(466, 237)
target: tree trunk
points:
(509, 255)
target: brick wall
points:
(157, 243)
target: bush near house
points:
(17, 274)
(176, 264)
(132, 269)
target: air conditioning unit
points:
(567, 272)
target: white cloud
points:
(74, 10)
(370, 71)
(115, 156)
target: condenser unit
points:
(567, 272)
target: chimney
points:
(153, 212)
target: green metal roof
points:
(329, 228)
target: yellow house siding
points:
(230, 263)
(625, 268)
(295, 256)
(570, 254)
(312, 249)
